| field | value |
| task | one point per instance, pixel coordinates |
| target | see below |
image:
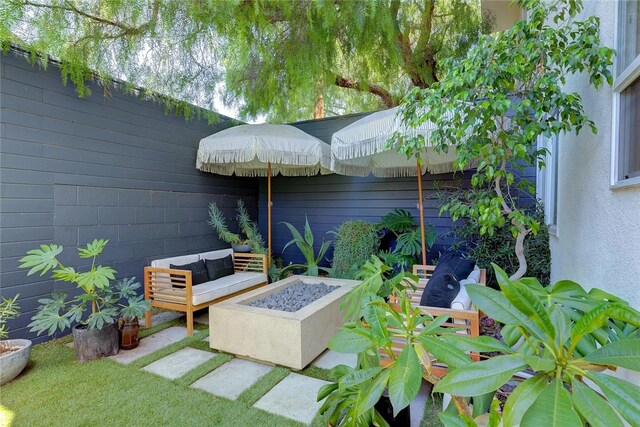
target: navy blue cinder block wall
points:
(328, 201)
(112, 167)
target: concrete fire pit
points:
(291, 339)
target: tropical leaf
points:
(93, 249)
(405, 379)
(521, 398)
(358, 376)
(624, 353)
(350, 341)
(498, 307)
(552, 408)
(42, 259)
(480, 377)
(371, 391)
(482, 344)
(622, 395)
(593, 407)
(445, 352)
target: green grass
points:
(54, 389)
(432, 408)
(57, 390)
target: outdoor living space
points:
(308, 213)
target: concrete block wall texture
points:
(116, 167)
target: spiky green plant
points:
(305, 244)
(8, 310)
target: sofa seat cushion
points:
(226, 286)
(462, 301)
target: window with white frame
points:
(547, 182)
(626, 152)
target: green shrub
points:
(500, 249)
(355, 243)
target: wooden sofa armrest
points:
(250, 262)
(167, 284)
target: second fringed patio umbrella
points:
(264, 150)
(360, 149)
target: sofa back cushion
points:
(177, 260)
(220, 253)
(198, 271)
(220, 267)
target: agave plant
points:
(569, 387)
(305, 244)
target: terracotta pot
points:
(93, 344)
(129, 333)
(13, 362)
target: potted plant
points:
(570, 337)
(14, 354)
(96, 335)
(253, 241)
(128, 324)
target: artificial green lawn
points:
(57, 390)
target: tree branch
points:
(380, 92)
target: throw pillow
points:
(221, 267)
(459, 266)
(441, 289)
(198, 272)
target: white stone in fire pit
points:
(280, 337)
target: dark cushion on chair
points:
(221, 267)
(441, 289)
(460, 267)
(198, 272)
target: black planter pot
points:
(91, 344)
(243, 249)
(384, 407)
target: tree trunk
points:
(522, 261)
(318, 111)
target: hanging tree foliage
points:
(280, 58)
(494, 104)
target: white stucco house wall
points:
(591, 187)
(595, 223)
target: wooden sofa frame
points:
(468, 320)
(172, 289)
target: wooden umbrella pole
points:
(269, 214)
(421, 210)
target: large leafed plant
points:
(104, 302)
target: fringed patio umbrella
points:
(360, 149)
(264, 150)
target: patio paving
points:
(179, 363)
(294, 397)
(330, 359)
(151, 344)
(165, 316)
(232, 378)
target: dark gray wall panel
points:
(115, 167)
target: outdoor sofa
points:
(179, 284)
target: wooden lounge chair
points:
(467, 321)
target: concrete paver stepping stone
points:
(165, 316)
(418, 404)
(202, 318)
(232, 378)
(179, 363)
(151, 344)
(294, 397)
(330, 359)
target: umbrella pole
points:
(269, 214)
(421, 210)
